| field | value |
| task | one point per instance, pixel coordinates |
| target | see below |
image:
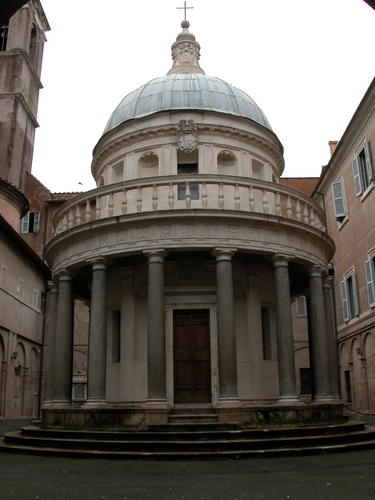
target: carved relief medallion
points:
(187, 136)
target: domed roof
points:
(186, 91)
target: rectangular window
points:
(116, 336)
(30, 223)
(362, 170)
(4, 37)
(349, 298)
(301, 309)
(4, 273)
(266, 333)
(339, 200)
(20, 287)
(306, 381)
(188, 168)
(348, 387)
(370, 281)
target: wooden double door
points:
(192, 360)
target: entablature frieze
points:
(250, 236)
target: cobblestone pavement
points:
(346, 476)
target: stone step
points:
(192, 443)
(188, 455)
(191, 418)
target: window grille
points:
(306, 381)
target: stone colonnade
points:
(59, 366)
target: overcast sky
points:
(306, 64)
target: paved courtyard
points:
(346, 476)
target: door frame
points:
(185, 304)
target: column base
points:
(229, 401)
(324, 399)
(287, 400)
(95, 402)
(156, 403)
(61, 403)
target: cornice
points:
(14, 196)
(25, 56)
(26, 107)
(129, 235)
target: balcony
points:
(216, 192)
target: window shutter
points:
(355, 300)
(345, 301)
(338, 199)
(25, 223)
(368, 161)
(36, 222)
(301, 306)
(357, 177)
(370, 281)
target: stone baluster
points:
(124, 202)
(221, 196)
(139, 199)
(154, 197)
(204, 195)
(171, 196)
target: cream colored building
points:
(189, 253)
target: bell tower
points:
(22, 40)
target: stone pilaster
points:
(285, 341)
(156, 355)
(64, 340)
(319, 340)
(225, 325)
(97, 352)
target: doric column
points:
(64, 340)
(97, 352)
(52, 299)
(318, 334)
(285, 341)
(226, 333)
(255, 337)
(156, 355)
(331, 336)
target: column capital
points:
(222, 253)
(53, 286)
(327, 282)
(98, 263)
(316, 270)
(64, 275)
(156, 255)
(281, 259)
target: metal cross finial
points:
(184, 7)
